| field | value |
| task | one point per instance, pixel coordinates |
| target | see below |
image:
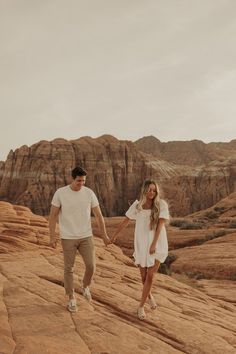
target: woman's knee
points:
(150, 276)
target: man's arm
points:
(101, 224)
(54, 211)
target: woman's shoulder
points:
(132, 211)
(134, 204)
(163, 203)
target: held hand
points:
(53, 243)
(152, 249)
(106, 240)
(113, 238)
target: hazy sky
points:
(128, 68)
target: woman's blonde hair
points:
(155, 209)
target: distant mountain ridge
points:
(194, 152)
(116, 169)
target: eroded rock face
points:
(223, 211)
(201, 187)
(210, 252)
(116, 170)
(190, 153)
(34, 318)
(215, 259)
(2, 165)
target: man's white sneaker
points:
(86, 293)
(72, 305)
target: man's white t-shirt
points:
(75, 211)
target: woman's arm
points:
(161, 223)
(120, 227)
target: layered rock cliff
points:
(34, 318)
(2, 165)
(191, 153)
(116, 170)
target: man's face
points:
(78, 182)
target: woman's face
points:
(152, 191)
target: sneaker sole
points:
(71, 310)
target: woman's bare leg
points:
(148, 282)
(143, 272)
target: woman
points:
(150, 240)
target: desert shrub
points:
(177, 222)
(165, 267)
(196, 275)
(215, 234)
(211, 214)
(232, 224)
(170, 259)
(233, 277)
(220, 209)
(188, 225)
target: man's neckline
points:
(73, 190)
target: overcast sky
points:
(129, 68)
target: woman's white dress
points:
(143, 236)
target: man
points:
(73, 203)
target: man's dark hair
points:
(78, 171)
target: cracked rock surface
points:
(34, 319)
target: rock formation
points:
(2, 165)
(116, 170)
(32, 302)
(209, 252)
(190, 153)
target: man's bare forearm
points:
(52, 227)
(102, 227)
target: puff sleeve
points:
(132, 211)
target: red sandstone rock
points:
(190, 153)
(32, 303)
(116, 170)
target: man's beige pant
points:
(85, 247)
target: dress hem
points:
(148, 266)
